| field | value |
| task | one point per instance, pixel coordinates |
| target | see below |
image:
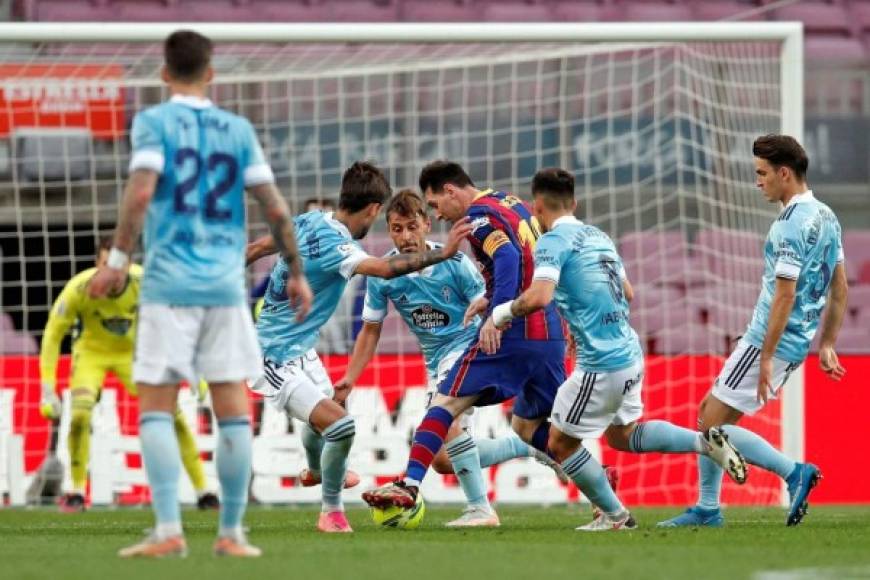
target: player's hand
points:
(490, 337)
(49, 404)
(830, 363)
(342, 390)
(107, 282)
(765, 377)
(300, 296)
(478, 307)
(460, 230)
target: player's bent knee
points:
(618, 436)
(561, 446)
(325, 413)
(524, 428)
(441, 464)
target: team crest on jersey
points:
(118, 326)
(345, 249)
(429, 318)
(445, 293)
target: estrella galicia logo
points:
(117, 326)
(429, 318)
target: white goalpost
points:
(656, 121)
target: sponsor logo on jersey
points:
(428, 318)
(479, 223)
(118, 326)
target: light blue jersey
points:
(588, 273)
(803, 244)
(329, 256)
(194, 235)
(432, 303)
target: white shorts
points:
(295, 386)
(737, 384)
(444, 366)
(588, 403)
(214, 343)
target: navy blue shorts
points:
(530, 370)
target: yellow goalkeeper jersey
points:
(107, 326)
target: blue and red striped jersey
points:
(503, 240)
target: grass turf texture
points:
(532, 543)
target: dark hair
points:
(105, 242)
(556, 185)
(439, 173)
(407, 203)
(361, 185)
(782, 150)
(187, 54)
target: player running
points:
(191, 164)
(294, 380)
(578, 265)
(433, 303)
(803, 271)
(102, 344)
(530, 365)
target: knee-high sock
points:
(234, 472)
(709, 483)
(189, 453)
(501, 449)
(338, 439)
(759, 452)
(428, 439)
(664, 437)
(589, 476)
(79, 442)
(162, 466)
(466, 465)
(312, 442)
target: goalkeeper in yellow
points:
(103, 343)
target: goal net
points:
(656, 122)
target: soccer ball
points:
(396, 517)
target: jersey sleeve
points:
(470, 281)
(341, 255)
(375, 305)
(496, 244)
(257, 169)
(146, 140)
(787, 250)
(548, 258)
(63, 315)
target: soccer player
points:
(190, 166)
(530, 365)
(294, 380)
(803, 272)
(433, 303)
(578, 265)
(103, 343)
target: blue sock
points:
(589, 476)
(428, 439)
(466, 465)
(759, 452)
(233, 459)
(162, 466)
(338, 439)
(709, 483)
(501, 449)
(312, 442)
(664, 437)
(541, 437)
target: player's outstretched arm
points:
(363, 351)
(834, 313)
(402, 264)
(536, 297)
(780, 310)
(277, 215)
(260, 248)
(61, 318)
(137, 195)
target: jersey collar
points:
(191, 101)
(337, 225)
(483, 192)
(565, 219)
(802, 197)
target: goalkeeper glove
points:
(49, 404)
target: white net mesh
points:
(659, 137)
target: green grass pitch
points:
(533, 543)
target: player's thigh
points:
(587, 403)
(287, 387)
(227, 350)
(229, 399)
(542, 381)
(122, 368)
(166, 341)
(737, 384)
(464, 421)
(562, 445)
(86, 379)
(489, 378)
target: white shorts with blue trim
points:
(737, 384)
(295, 386)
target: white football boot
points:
(720, 450)
(476, 517)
